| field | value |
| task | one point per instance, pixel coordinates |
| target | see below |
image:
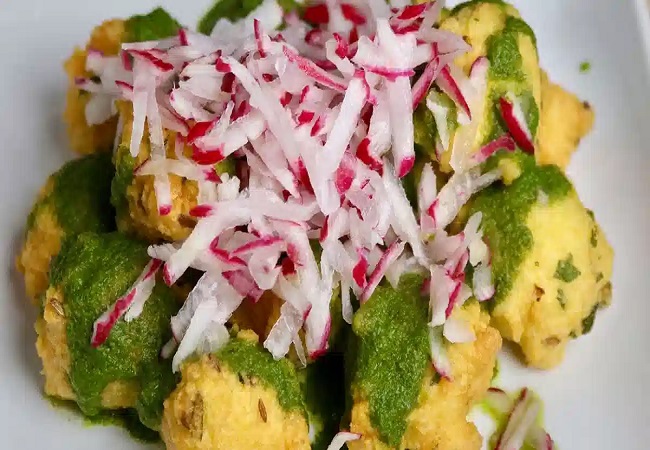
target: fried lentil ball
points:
(552, 264)
(75, 199)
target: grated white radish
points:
(320, 121)
(341, 438)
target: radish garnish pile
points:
(323, 117)
(522, 425)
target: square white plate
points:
(595, 400)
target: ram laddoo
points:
(494, 30)
(556, 118)
(237, 398)
(90, 273)
(74, 200)
(106, 38)
(134, 196)
(551, 262)
(398, 400)
(564, 122)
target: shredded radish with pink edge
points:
(341, 438)
(438, 348)
(515, 119)
(131, 304)
(523, 422)
(498, 400)
(324, 119)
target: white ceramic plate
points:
(595, 400)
